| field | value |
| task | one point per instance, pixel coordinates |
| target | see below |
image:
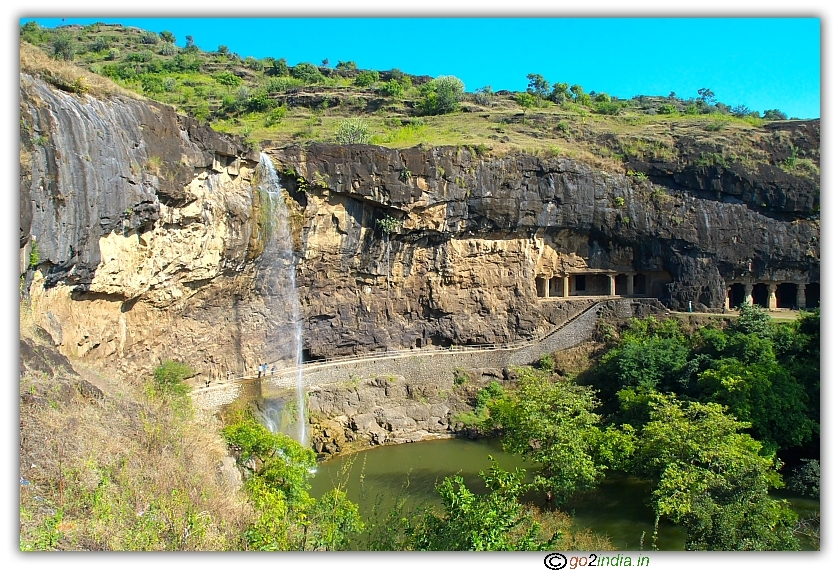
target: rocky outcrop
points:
(142, 236)
(384, 410)
(476, 232)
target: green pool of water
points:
(382, 475)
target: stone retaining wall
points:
(433, 366)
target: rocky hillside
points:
(142, 233)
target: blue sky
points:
(762, 63)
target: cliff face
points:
(476, 233)
(149, 231)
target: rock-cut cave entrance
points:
(737, 295)
(786, 296)
(760, 295)
(812, 295)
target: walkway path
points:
(431, 364)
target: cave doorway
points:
(599, 284)
(555, 287)
(812, 295)
(786, 296)
(760, 295)
(542, 290)
(621, 284)
(580, 283)
(737, 295)
(639, 284)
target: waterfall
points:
(276, 283)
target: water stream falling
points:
(276, 283)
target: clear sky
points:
(763, 63)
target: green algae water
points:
(378, 477)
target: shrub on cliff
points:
(367, 78)
(170, 376)
(441, 95)
(352, 131)
(307, 73)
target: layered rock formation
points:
(476, 232)
(142, 235)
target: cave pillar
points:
(567, 277)
(800, 295)
(726, 298)
(748, 293)
(648, 285)
(772, 304)
(630, 278)
(544, 285)
(612, 284)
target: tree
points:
(392, 88)
(553, 423)
(706, 95)
(741, 111)
(441, 95)
(223, 50)
(190, 42)
(346, 65)
(774, 115)
(167, 36)
(651, 355)
(64, 47)
(537, 85)
(495, 521)
(277, 67)
(367, 78)
(560, 92)
(712, 479)
(325, 62)
(169, 377)
(307, 73)
(484, 95)
(577, 92)
(277, 471)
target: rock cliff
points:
(142, 235)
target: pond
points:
(617, 508)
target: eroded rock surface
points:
(142, 236)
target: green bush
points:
(667, 109)
(34, 255)
(367, 78)
(441, 95)
(64, 47)
(227, 78)
(275, 116)
(346, 65)
(525, 100)
(149, 38)
(260, 101)
(607, 108)
(170, 376)
(152, 84)
(460, 376)
(101, 43)
(168, 49)
(307, 73)
(352, 131)
(392, 89)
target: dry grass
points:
(128, 471)
(570, 540)
(68, 76)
